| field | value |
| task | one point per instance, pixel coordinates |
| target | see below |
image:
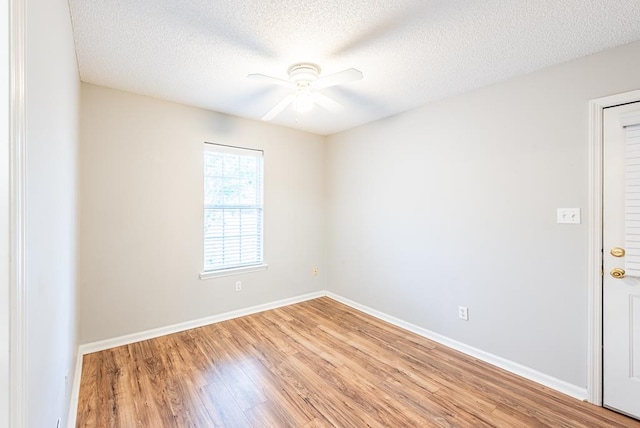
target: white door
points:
(621, 295)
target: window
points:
(232, 210)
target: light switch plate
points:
(569, 215)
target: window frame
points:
(237, 269)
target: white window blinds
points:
(631, 122)
(232, 207)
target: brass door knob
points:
(617, 273)
(617, 252)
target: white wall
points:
(52, 97)
(141, 220)
(455, 204)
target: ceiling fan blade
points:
(277, 109)
(344, 76)
(274, 80)
(326, 103)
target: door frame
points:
(595, 274)
(17, 216)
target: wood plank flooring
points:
(314, 364)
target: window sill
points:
(235, 271)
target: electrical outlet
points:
(463, 313)
(238, 285)
(314, 271)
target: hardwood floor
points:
(313, 364)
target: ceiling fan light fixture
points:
(303, 101)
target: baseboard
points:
(518, 369)
(101, 345)
(75, 391)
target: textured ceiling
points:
(411, 52)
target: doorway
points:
(621, 259)
(596, 244)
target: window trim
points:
(262, 265)
(232, 271)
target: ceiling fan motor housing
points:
(304, 72)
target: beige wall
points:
(141, 220)
(455, 204)
(52, 99)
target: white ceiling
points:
(411, 52)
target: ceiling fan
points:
(305, 81)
